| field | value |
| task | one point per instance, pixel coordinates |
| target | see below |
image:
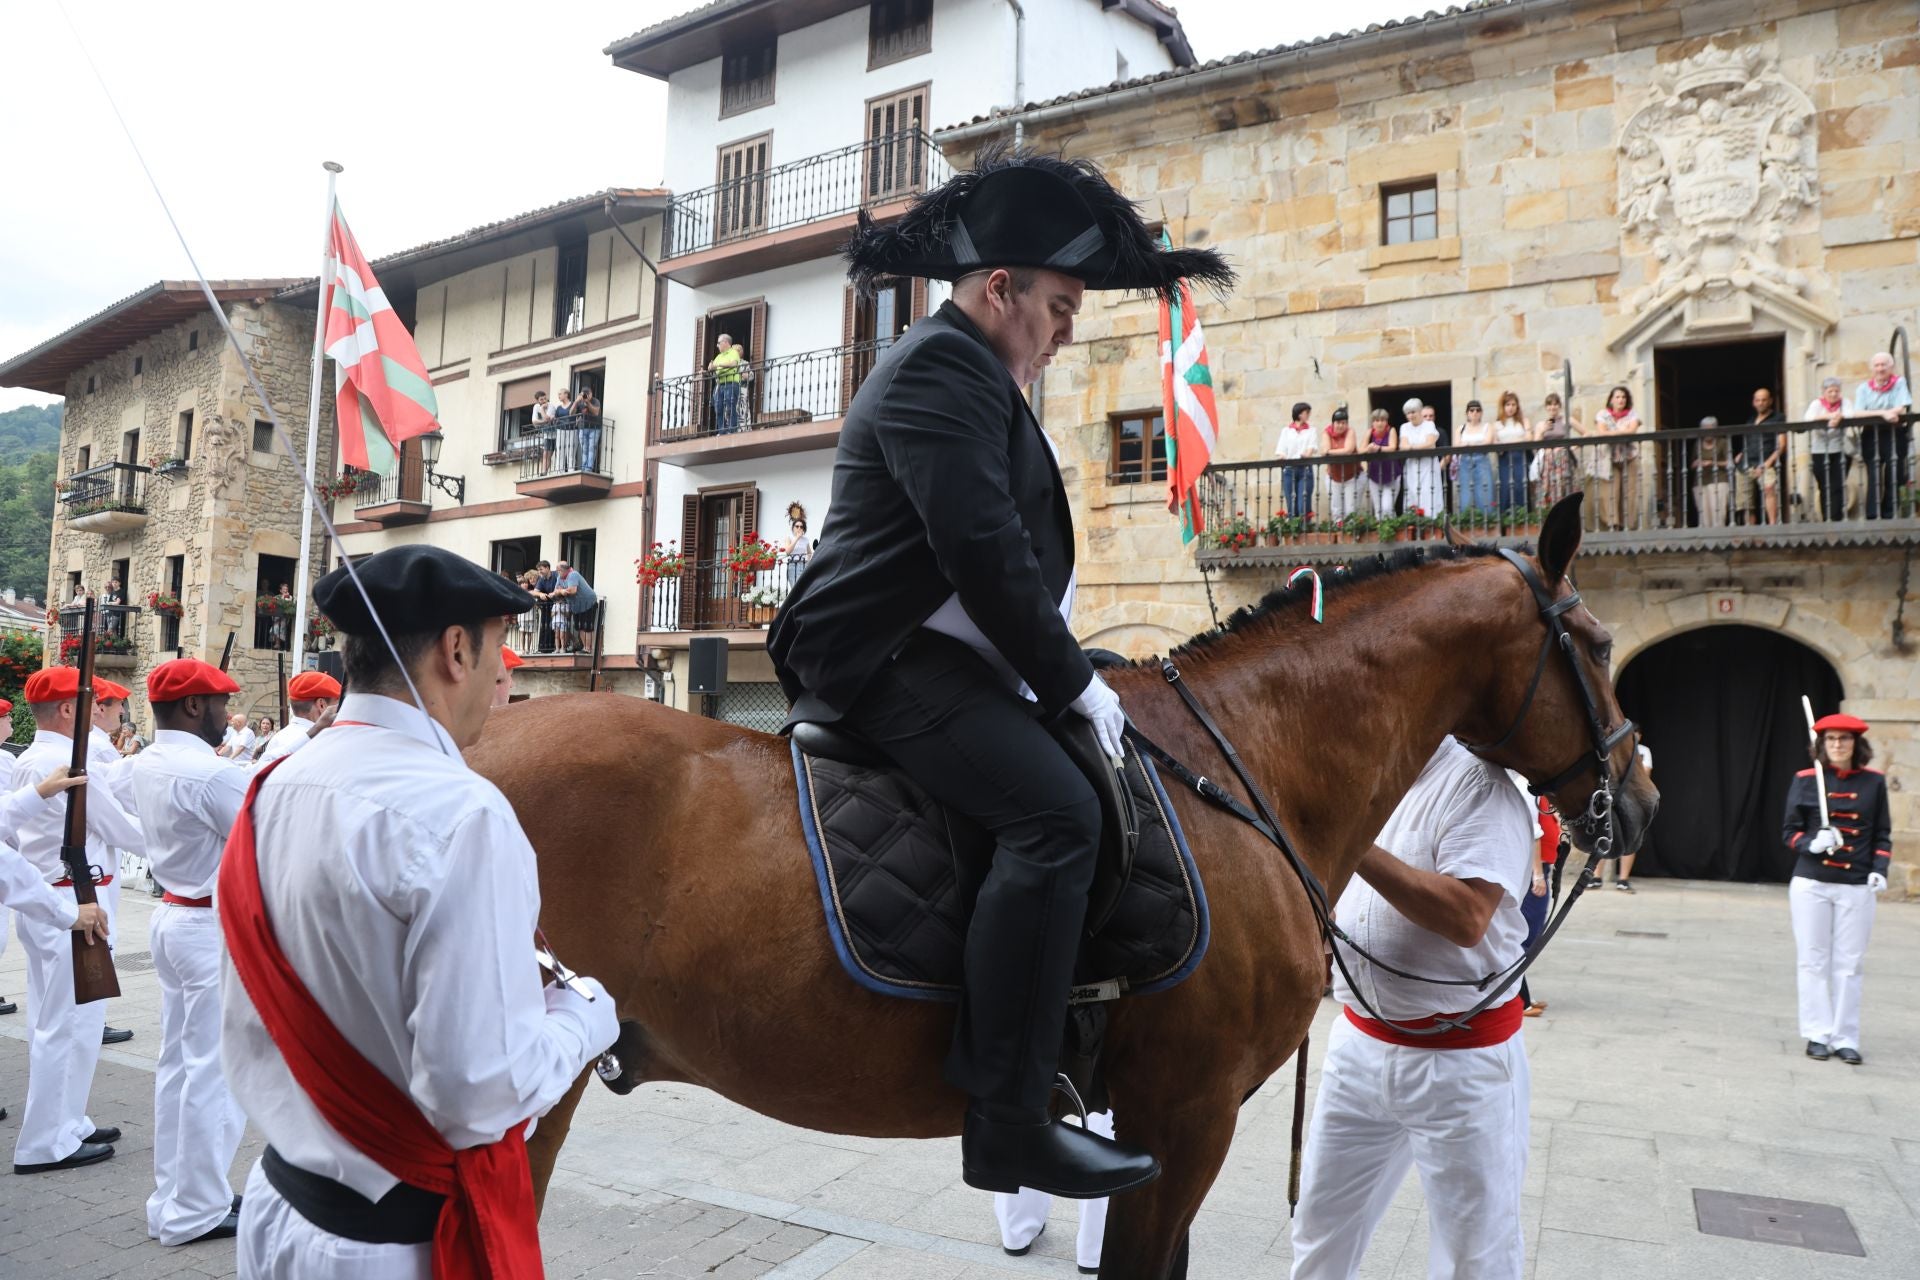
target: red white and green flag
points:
(384, 394)
(1187, 387)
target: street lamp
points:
(454, 487)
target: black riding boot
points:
(1004, 1151)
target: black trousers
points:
(951, 723)
(1830, 474)
(1883, 451)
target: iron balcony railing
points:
(112, 486)
(889, 167)
(547, 629)
(1787, 482)
(709, 596)
(571, 446)
(406, 483)
(113, 631)
(808, 387)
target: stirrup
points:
(1065, 1085)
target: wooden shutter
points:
(849, 314)
(690, 554)
(918, 303)
(740, 202)
(749, 511)
(896, 152)
(412, 471)
(756, 352)
(691, 417)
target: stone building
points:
(172, 479)
(1694, 201)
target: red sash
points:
(178, 901)
(1495, 1026)
(489, 1227)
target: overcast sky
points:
(445, 116)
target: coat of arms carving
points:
(1715, 168)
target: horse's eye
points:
(1603, 654)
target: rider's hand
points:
(598, 1023)
(1876, 882)
(58, 781)
(92, 923)
(1101, 706)
(1825, 840)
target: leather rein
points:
(1599, 820)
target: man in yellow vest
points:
(727, 368)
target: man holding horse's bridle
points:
(933, 620)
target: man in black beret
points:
(379, 901)
(933, 619)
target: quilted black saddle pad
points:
(898, 874)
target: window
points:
(262, 436)
(746, 77)
(516, 407)
(90, 384)
(1409, 212)
(130, 448)
(139, 365)
(740, 204)
(874, 323)
(898, 29)
(514, 556)
(273, 630)
(193, 340)
(896, 144)
(576, 549)
(85, 459)
(1138, 448)
(1437, 396)
(176, 578)
(570, 290)
(183, 435)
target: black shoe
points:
(115, 1035)
(225, 1229)
(3, 1113)
(8, 1006)
(1817, 1051)
(1849, 1056)
(88, 1153)
(1051, 1156)
(1022, 1251)
(1088, 1271)
(1624, 886)
(106, 1137)
(236, 1205)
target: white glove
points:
(1101, 705)
(595, 1019)
(1825, 840)
(1876, 882)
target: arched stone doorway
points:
(1720, 707)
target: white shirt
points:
(22, 887)
(237, 746)
(187, 797)
(109, 826)
(1461, 818)
(952, 618)
(286, 741)
(1296, 442)
(1510, 431)
(1828, 439)
(404, 894)
(108, 769)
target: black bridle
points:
(1599, 822)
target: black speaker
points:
(330, 662)
(707, 665)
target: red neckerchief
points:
(489, 1228)
(1835, 402)
(1878, 385)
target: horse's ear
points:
(1455, 538)
(1560, 539)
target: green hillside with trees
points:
(29, 448)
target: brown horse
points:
(672, 865)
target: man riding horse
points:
(933, 619)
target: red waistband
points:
(1495, 1026)
(178, 901)
(67, 882)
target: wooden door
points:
(413, 472)
(896, 149)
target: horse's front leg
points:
(543, 1148)
(1147, 1229)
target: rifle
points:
(93, 975)
(286, 711)
(1819, 762)
(226, 654)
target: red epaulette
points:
(1804, 773)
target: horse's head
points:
(1551, 714)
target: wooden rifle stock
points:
(93, 975)
(286, 711)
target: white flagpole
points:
(305, 570)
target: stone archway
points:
(1720, 708)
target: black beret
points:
(417, 588)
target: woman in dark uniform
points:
(1842, 866)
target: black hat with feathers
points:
(1017, 209)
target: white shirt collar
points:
(401, 717)
(182, 739)
(48, 735)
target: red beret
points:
(309, 685)
(185, 677)
(6, 708)
(55, 684)
(510, 659)
(1839, 723)
(105, 690)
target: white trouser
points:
(197, 1125)
(1023, 1214)
(1831, 925)
(1458, 1115)
(1343, 497)
(1424, 488)
(63, 1052)
(276, 1243)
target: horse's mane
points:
(1333, 578)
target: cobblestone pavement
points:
(1668, 1061)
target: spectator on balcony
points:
(1343, 478)
(542, 588)
(542, 429)
(574, 603)
(798, 548)
(80, 596)
(586, 412)
(726, 368)
(1831, 461)
(1426, 489)
(1511, 427)
(113, 618)
(1296, 442)
(282, 627)
(1756, 459)
(1556, 469)
(1383, 470)
(1617, 465)
(1884, 449)
(1474, 473)
(1712, 474)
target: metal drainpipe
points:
(1019, 72)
